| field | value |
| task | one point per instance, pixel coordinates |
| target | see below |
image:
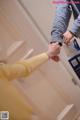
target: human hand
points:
(53, 51)
(67, 37)
(56, 58)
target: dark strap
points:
(76, 6)
(59, 43)
(76, 45)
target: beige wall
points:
(43, 13)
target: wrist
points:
(48, 54)
(59, 43)
(73, 34)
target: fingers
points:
(67, 36)
(54, 50)
(67, 41)
(55, 47)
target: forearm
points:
(61, 21)
(22, 68)
(76, 27)
(34, 62)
